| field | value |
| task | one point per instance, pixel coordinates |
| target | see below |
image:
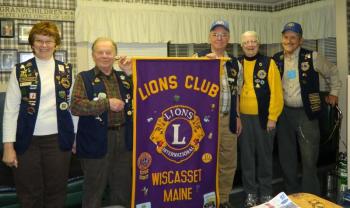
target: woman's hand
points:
(10, 156)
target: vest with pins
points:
(92, 131)
(308, 80)
(261, 86)
(232, 73)
(29, 83)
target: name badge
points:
(292, 74)
(23, 84)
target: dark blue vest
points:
(232, 73)
(92, 131)
(261, 87)
(309, 82)
(29, 83)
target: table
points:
(306, 200)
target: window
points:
(326, 47)
(178, 50)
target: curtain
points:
(149, 23)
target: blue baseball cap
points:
(221, 23)
(294, 27)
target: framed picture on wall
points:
(60, 29)
(24, 56)
(7, 28)
(23, 33)
(61, 55)
(8, 59)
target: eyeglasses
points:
(42, 42)
(251, 42)
(219, 35)
(104, 53)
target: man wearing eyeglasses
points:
(230, 124)
(261, 102)
(304, 73)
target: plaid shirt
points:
(82, 106)
(225, 94)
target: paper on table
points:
(279, 201)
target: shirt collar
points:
(253, 58)
(98, 73)
(226, 54)
(295, 54)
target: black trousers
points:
(42, 173)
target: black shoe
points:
(225, 205)
(251, 201)
(265, 198)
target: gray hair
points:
(249, 33)
(100, 39)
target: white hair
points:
(249, 33)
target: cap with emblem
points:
(294, 27)
(221, 23)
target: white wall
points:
(3, 87)
(342, 62)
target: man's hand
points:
(211, 56)
(124, 63)
(238, 126)
(116, 104)
(10, 156)
(332, 100)
(271, 125)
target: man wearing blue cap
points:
(230, 124)
(304, 74)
